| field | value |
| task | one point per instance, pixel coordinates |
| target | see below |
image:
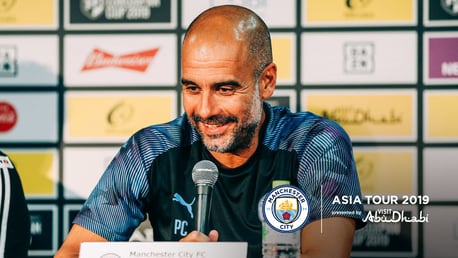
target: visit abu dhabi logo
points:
(286, 208)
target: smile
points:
(213, 128)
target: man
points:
(227, 74)
(14, 214)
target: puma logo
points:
(177, 197)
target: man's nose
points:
(208, 105)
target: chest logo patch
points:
(177, 197)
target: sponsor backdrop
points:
(77, 77)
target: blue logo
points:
(286, 208)
(177, 197)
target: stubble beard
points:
(240, 138)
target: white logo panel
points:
(29, 60)
(30, 117)
(83, 167)
(120, 60)
(359, 58)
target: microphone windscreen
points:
(205, 172)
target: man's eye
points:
(192, 89)
(226, 90)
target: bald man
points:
(227, 74)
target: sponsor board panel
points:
(143, 233)
(43, 227)
(113, 116)
(120, 60)
(70, 212)
(28, 117)
(440, 13)
(341, 58)
(29, 60)
(440, 51)
(366, 114)
(286, 98)
(29, 14)
(284, 56)
(119, 15)
(268, 10)
(79, 178)
(322, 13)
(38, 169)
(440, 237)
(377, 166)
(389, 232)
(440, 173)
(440, 120)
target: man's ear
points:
(268, 81)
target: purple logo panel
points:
(443, 57)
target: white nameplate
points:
(163, 249)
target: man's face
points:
(220, 94)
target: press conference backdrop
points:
(78, 77)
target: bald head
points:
(230, 24)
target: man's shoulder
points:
(166, 135)
(302, 128)
(301, 122)
(5, 161)
(3, 154)
(176, 127)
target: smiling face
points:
(221, 94)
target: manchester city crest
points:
(286, 208)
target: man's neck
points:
(231, 160)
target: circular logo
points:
(451, 7)
(5, 5)
(8, 117)
(357, 3)
(92, 9)
(286, 208)
(110, 255)
(120, 114)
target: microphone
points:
(204, 175)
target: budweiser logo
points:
(8, 117)
(138, 61)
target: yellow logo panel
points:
(283, 48)
(29, 13)
(382, 11)
(367, 115)
(441, 121)
(116, 116)
(38, 172)
(378, 166)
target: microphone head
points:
(205, 172)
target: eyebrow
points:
(183, 81)
(217, 84)
(230, 82)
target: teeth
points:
(211, 126)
